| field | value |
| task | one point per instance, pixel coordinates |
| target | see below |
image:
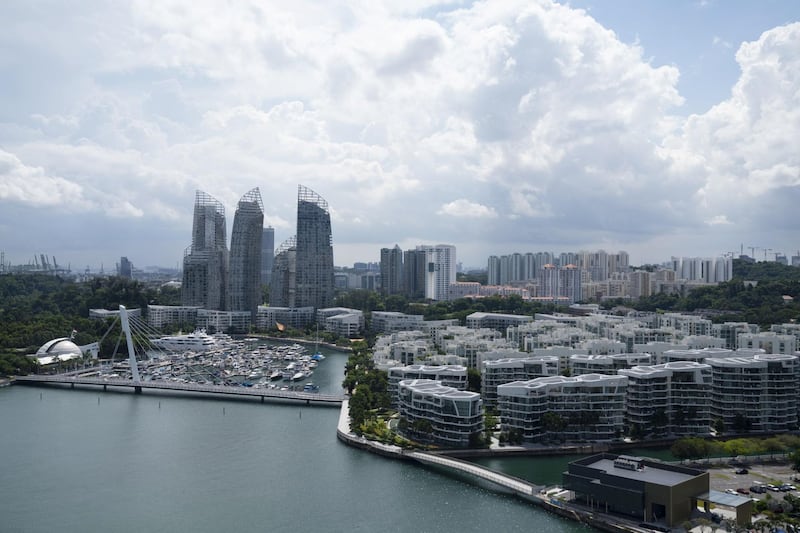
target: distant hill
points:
(764, 271)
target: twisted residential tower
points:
(244, 289)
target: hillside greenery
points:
(35, 309)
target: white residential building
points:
(268, 317)
(391, 321)
(673, 398)
(341, 321)
(500, 371)
(401, 348)
(606, 363)
(588, 407)
(160, 316)
(498, 321)
(431, 412)
(769, 341)
(448, 375)
(224, 321)
(757, 393)
(440, 270)
(729, 332)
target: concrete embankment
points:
(561, 508)
(4, 382)
(344, 434)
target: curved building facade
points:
(205, 262)
(314, 265)
(245, 255)
(282, 284)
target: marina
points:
(210, 365)
(221, 361)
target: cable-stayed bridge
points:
(264, 394)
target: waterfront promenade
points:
(518, 486)
(521, 488)
(309, 398)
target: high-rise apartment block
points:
(245, 255)
(440, 270)
(125, 268)
(392, 270)
(314, 251)
(267, 254)
(706, 269)
(282, 285)
(205, 261)
(517, 267)
(414, 267)
(560, 283)
(302, 273)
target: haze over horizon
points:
(501, 126)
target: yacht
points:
(197, 341)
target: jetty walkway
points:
(310, 398)
(519, 486)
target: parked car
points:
(741, 490)
(773, 488)
(730, 491)
(786, 487)
(758, 489)
(742, 471)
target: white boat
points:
(197, 341)
(298, 376)
(277, 374)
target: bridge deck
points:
(308, 397)
(519, 486)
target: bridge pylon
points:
(126, 327)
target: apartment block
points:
(445, 416)
(669, 399)
(454, 376)
(582, 408)
(501, 371)
(755, 394)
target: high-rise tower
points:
(392, 270)
(205, 262)
(414, 268)
(314, 268)
(245, 257)
(284, 267)
(267, 254)
(440, 270)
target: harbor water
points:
(84, 460)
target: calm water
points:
(84, 460)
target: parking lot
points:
(726, 479)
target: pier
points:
(518, 486)
(309, 398)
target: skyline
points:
(498, 127)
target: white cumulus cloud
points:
(467, 209)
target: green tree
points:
(473, 380)
(690, 448)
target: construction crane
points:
(766, 250)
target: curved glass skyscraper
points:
(245, 256)
(284, 266)
(205, 262)
(302, 274)
(314, 286)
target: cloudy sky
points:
(660, 128)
